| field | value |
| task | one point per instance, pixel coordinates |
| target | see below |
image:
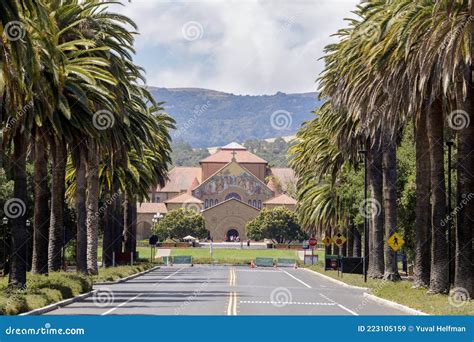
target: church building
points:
(229, 188)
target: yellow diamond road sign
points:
(327, 240)
(339, 239)
(395, 242)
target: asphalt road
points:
(227, 290)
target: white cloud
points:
(245, 47)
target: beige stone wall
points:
(228, 215)
(164, 196)
(291, 207)
(190, 206)
(144, 225)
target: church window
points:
(250, 202)
(233, 195)
(206, 203)
(211, 202)
(216, 201)
(259, 204)
(255, 203)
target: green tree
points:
(181, 222)
(278, 224)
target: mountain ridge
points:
(207, 117)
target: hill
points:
(208, 118)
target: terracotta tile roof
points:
(181, 178)
(151, 208)
(281, 199)
(284, 174)
(225, 156)
(271, 185)
(184, 198)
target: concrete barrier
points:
(264, 262)
(182, 259)
(286, 262)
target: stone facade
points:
(229, 188)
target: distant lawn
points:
(403, 293)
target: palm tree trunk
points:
(39, 263)
(92, 170)
(17, 209)
(422, 266)
(464, 255)
(357, 243)
(390, 205)
(350, 240)
(439, 282)
(56, 229)
(376, 260)
(81, 212)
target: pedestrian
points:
(248, 243)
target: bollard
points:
(113, 259)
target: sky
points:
(243, 47)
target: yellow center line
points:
(232, 305)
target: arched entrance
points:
(232, 235)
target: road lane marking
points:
(138, 295)
(340, 305)
(289, 303)
(231, 276)
(292, 276)
(232, 306)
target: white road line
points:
(340, 305)
(285, 303)
(292, 276)
(138, 295)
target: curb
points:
(335, 280)
(121, 280)
(395, 305)
(68, 301)
(57, 305)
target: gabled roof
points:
(241, 156)
(184, 198)
(181, 178)
(237, 202)
(241, 169)
(151, 208)
(271, 185)
(281, 199)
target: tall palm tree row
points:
(401, 61)
(89, 117)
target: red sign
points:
(312, 241)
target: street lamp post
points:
(366, 219)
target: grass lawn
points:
(42, 290)
(143, 253)
(403, 293)
(235, 256)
